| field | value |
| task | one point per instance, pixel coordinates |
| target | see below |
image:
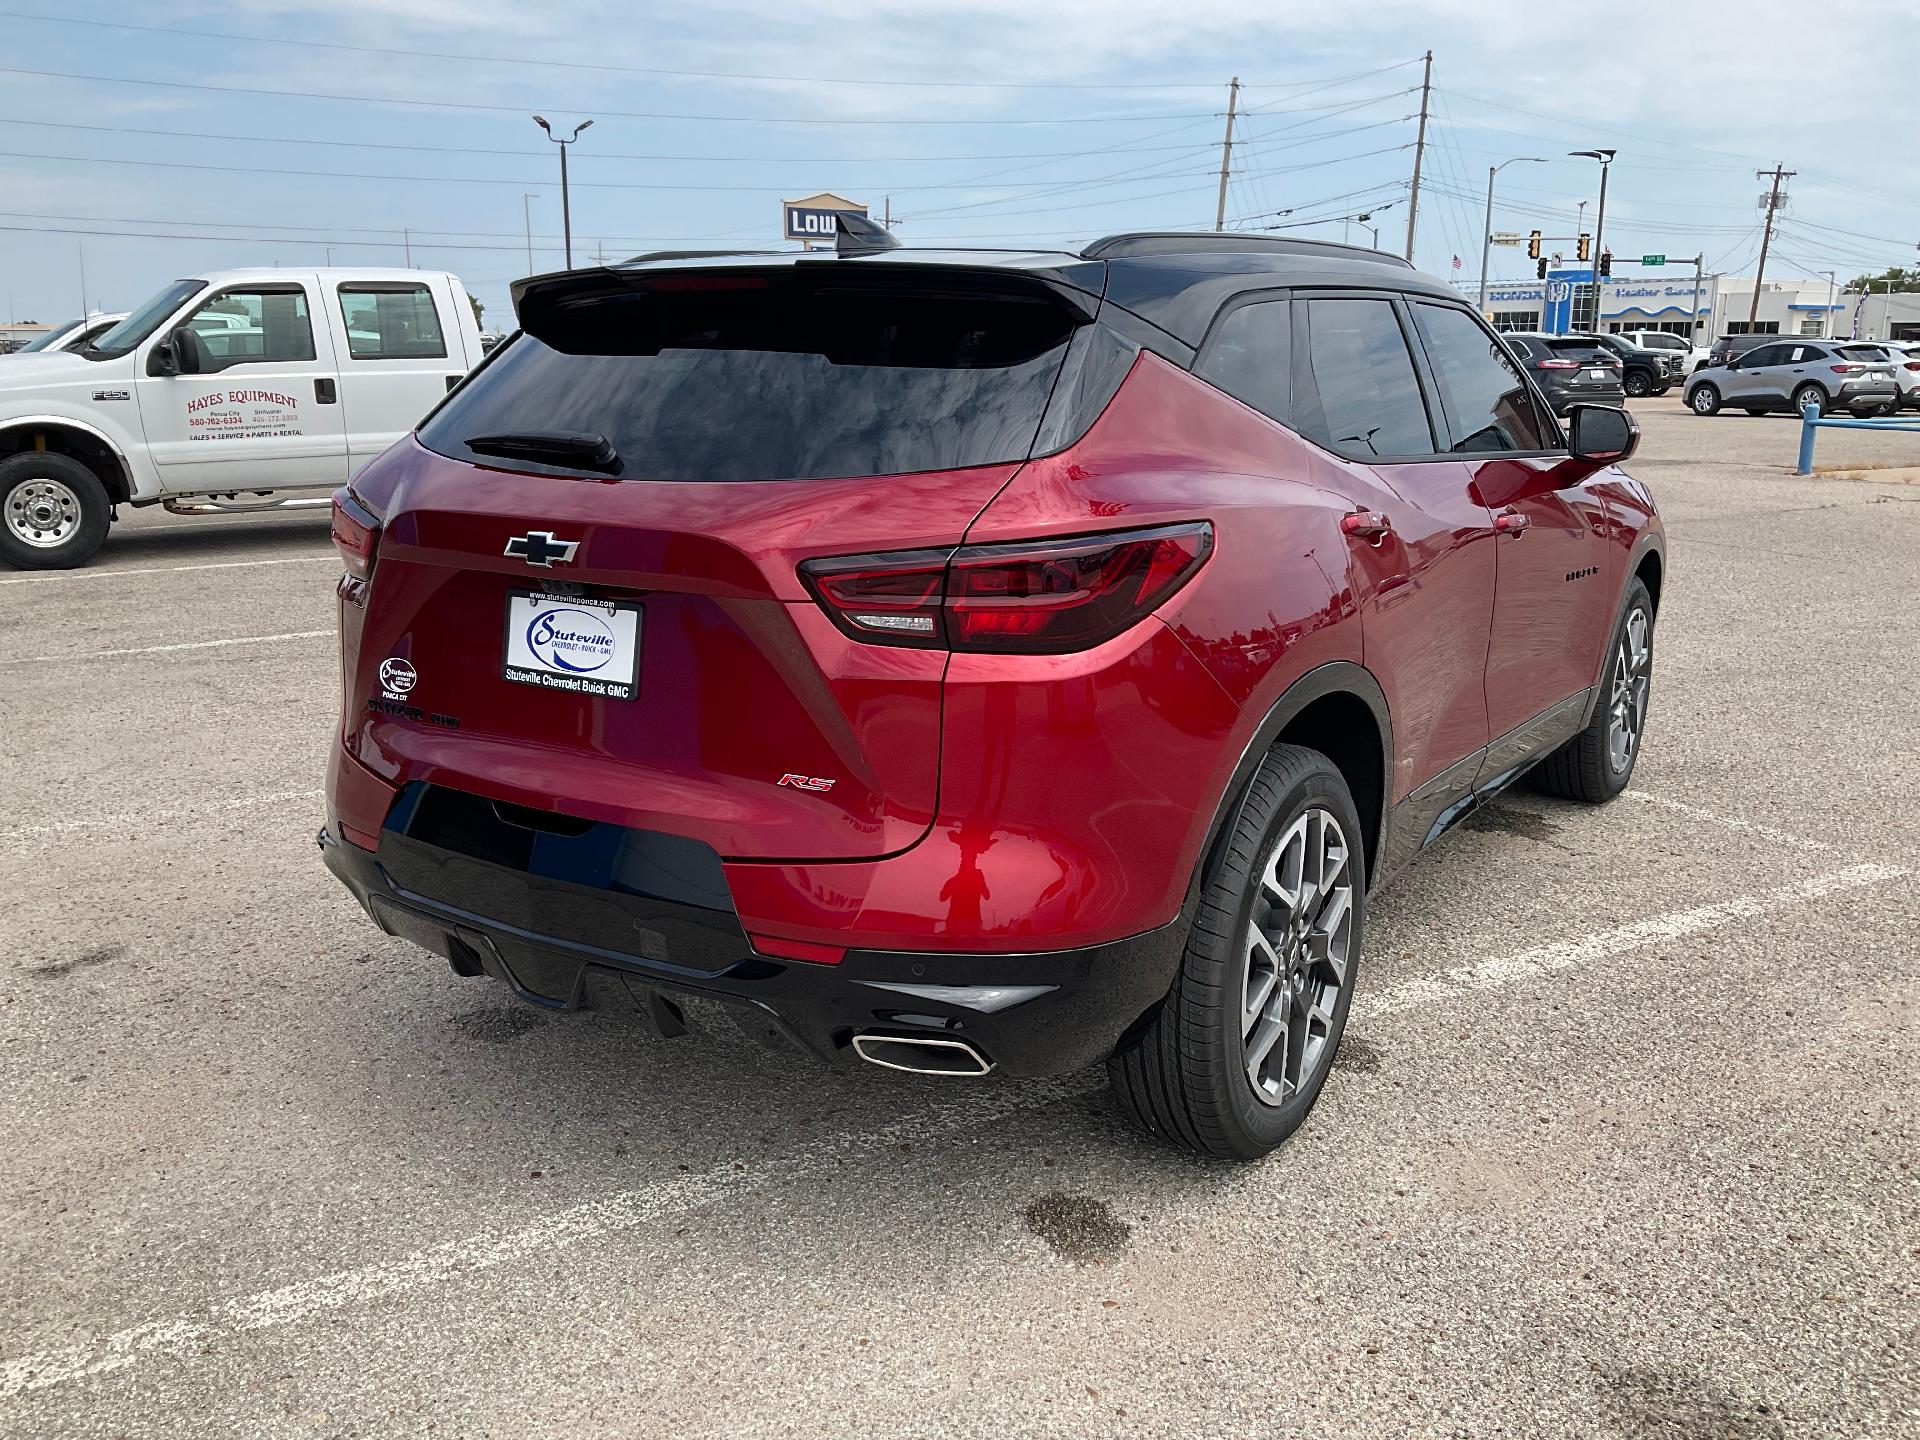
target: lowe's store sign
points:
(815, 222)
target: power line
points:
(598, 155)
(600, 111)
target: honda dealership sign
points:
(812, 219)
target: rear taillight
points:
(1913, 365)
(1033, 597)
(1843, 369)
(1559, 364)
(356, 533)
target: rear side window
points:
(1251, 357)
(727, 376)
(1487, 400)
(1364, 400)
(391, 322)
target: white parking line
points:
(1674, 925)
(1751, 827)
(165, 569)
(147, 819)
(167, 649)
(447, 1261)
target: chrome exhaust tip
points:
(921, 1054)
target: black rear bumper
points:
(647, 930)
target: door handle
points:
(1511, 523)
(453, 380)
(325, 390)
(1366, 525)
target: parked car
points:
(1569, 369)
(74, 335)
(1904, 357)
(955, 659)
(238, 391)
(1692, 356)
(1792, 374)
(1642, 371)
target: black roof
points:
(1176, 280)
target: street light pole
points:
(1605, 157)
(1486, 238)
(1826, 317)
(566, 212)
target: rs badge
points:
(806, 782)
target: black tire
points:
(1587, 766)
(1704, 399)
(54, 511)
(1185, 1077)
(1813, 392)
(1637, 384)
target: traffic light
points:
(1606, 264)
(1586, 247)
(1541, 271)
(1533, 245)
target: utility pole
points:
(1226, 155)
(527, 197)
(1693, 320)
(886, 213)
(1419, 152)
(406, 238)
(1780, 177)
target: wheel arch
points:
(74, 438)
(1340, 710)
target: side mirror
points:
(1601, 434)
(185, 344)
(161, 360)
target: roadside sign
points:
(1508, 237)
(1653, 259)
(812, 219)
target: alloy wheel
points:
(43, 513)
(1298, 941)
(1632, 662)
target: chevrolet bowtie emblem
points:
(538, 547)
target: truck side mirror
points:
(185, 344)
(161, 359)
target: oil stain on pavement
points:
(1078, 1228)
(60, 969)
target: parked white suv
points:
(1667, 343)
(237, 391)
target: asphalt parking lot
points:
(1623, 1141)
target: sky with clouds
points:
(150, 142)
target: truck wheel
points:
(1636, 384)
(1239, 1051)
(1598, 762)
(53, 511)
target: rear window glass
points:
(1579, 350)
(1863, 352)
(703, 375)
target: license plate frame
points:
(588, 646)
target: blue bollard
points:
(1808, 415)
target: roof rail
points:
(694, 255)
(1210, 242)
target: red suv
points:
(973, 660)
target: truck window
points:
(391, 322)
(267, 324)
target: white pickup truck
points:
(237, 391)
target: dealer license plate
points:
(563, 642)
(1596, 374)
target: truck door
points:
(256, 405)
(400, 352)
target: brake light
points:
(1032, 597)
(356, 533)
(1843, 369)
(1913, 365)
(1559, 364)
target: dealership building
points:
(1669, 300)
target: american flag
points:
(1456, 262)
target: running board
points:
(242, 507)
